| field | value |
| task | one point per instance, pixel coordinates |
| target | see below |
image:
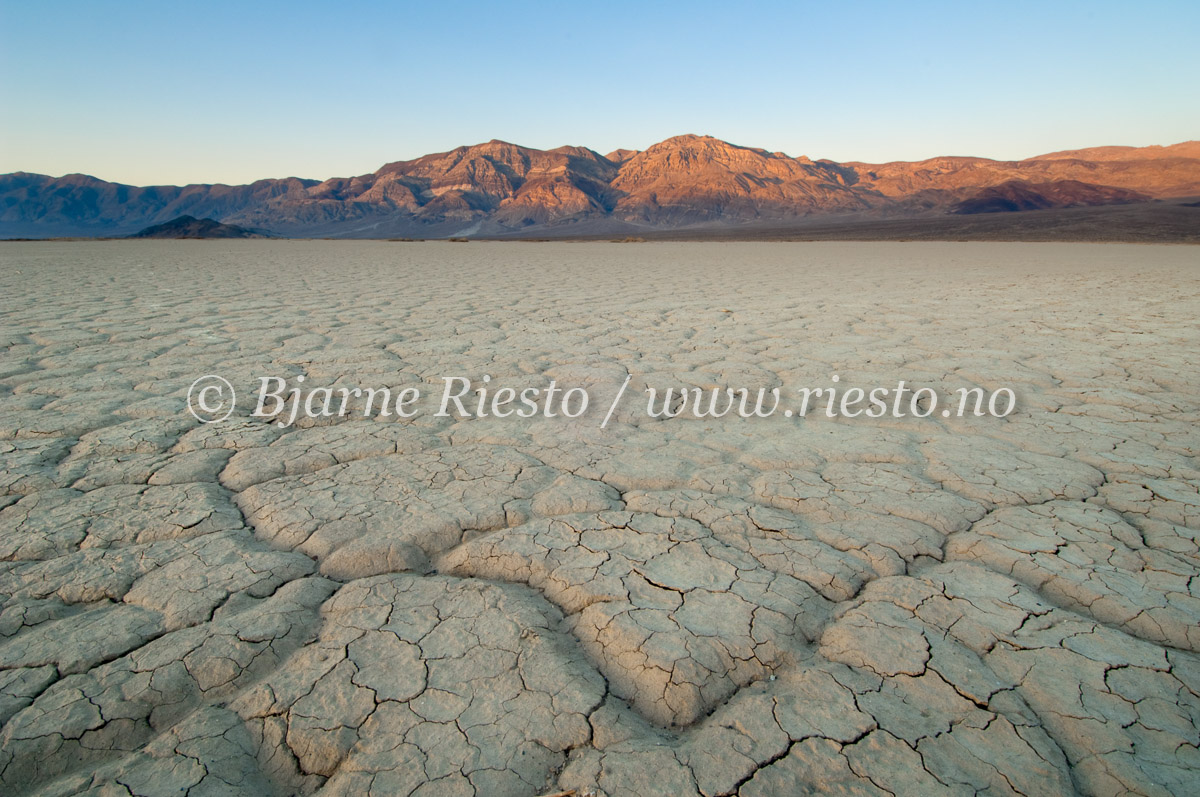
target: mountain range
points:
(686, 182)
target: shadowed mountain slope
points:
(192, 227)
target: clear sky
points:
(166, 92)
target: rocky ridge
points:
(499, 188)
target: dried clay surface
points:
(508, 607)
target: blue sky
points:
(166, 92)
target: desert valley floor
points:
(492, 607)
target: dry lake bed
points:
(449, 605)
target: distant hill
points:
(192, 227)
(1188, 149)
(686, 182)
(1016, 195)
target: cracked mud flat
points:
(666, 607)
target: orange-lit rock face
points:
(497, 187)
(696, 178)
